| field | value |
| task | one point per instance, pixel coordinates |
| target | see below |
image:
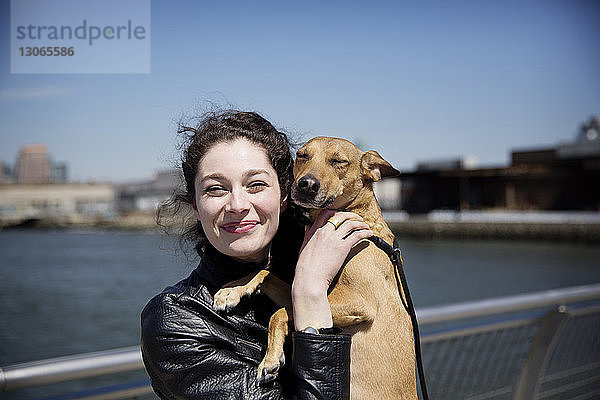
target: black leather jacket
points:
(193, 352)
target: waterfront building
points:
(33, 164)
(6, 175)
(59, 172)
(564, 177)
(56, 202)
(146, 196)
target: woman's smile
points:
(240, 227)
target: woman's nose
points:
(238, 202)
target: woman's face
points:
(238, 199)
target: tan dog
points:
(333, 173)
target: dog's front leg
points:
(230, 296)
(279, 327)
(347, 308)
(276, 289)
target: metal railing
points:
(70, 368)
(551, 354)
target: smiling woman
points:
(238, 200)
(238, 172)
(222, 129)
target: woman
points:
(237, 170)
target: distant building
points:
(146, 196)
(6, 175)
(565, 177)
(33, 165)
(59, 173)
(452, 163)
(63, 201)
(586, 145)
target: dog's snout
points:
(309, 184)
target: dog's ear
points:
(374, 167)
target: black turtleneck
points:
(216, 269)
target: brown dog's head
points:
(331, 173)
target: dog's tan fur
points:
(365, 301)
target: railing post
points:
(2, 380)
(541, 350)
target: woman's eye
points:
(215, 190)
(256, 186)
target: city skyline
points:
(415, 82)
(586, 134)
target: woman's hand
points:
(322, 254)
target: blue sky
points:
(413, 80)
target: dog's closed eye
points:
(338, 162)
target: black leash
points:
(395, 255)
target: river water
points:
(74, 291)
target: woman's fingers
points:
(326, 247)
(357, 235)
(318, 223)
(337, 219)
(346, 223)
(353, 228)
(329, 220)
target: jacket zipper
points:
(248, 343)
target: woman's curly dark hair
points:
(227, 126)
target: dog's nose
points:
(308, 184)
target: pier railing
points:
(543, 345)
(541, 354)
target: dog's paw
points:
(227, 298)
(269, 368)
